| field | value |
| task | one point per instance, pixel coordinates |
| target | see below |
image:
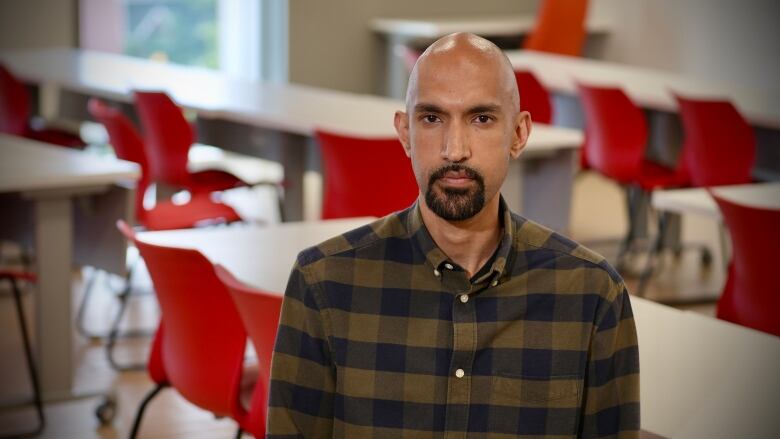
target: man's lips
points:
(456, 178)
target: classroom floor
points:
(598, 220)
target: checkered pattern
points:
(375, 340)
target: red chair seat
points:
(213, 180)
(200, 210)
(652, 176)
(17, 274)
(57, 137)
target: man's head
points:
(462, 124)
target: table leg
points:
(54, 250)
(540, 188)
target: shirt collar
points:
(436, 257)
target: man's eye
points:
(430, 118)
(483, 118)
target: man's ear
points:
(401, 123)
(522, 131)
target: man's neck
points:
(469, 243)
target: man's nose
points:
(456, 144)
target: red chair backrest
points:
(168, 137)
(260, 313)
(751, 296)
(364, 177)
(720, 146)
(559, 28)
(204, 340)
(534, 98)
(14, 104)
(615, 132)
(128, 145)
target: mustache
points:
(456, 167)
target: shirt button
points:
(436, 272)
(494, 283)
(460, 373)
(464, 298)
(449, 266)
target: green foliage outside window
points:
(181, 31)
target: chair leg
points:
(139, 415)
(653, 253)
(114, 333)
(31, 368)
(633, 199)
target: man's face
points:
(460, 132)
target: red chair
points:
(615, 140)
(15, 114)
(168, 139)
(751, 296)
(560, 27)
(534, 98)
(260, 313)
(13, 277)
(128, 145)
(720, 145)
(364, 177)
(201, 349)
(200, 210)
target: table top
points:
(487, 26)
(291, 108)
(649, 88)
(698, 201)
(703, 377)
(698, 376)
(261, 256)
(28, 165)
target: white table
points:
(278, 120)
(700, 377)
(649, 88)
(653, 90)
(697, 201)
(419, 32)
(66, 201)
(705, 378)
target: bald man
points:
(455, 317)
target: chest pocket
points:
(538, 405)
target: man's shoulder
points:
(372, 234)
(534, 237)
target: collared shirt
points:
(381, 335)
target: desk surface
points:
(291, 108)
(27, 165)
(701, 377)
(260, 256)
(486, 26)
(649, 88)
(699, 202)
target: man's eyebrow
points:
(428, 108)
(484, 108)
(480, 108)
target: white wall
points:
(332, 46)
(38, 23)
(731, 41)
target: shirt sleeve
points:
(611, 394)
(303, 374)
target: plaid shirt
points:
(382, 336)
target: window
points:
(243, 38)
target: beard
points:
(456, 204)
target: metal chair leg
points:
(652, 254)
(31, 368)
(139, 415)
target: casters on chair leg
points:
(106, 410)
